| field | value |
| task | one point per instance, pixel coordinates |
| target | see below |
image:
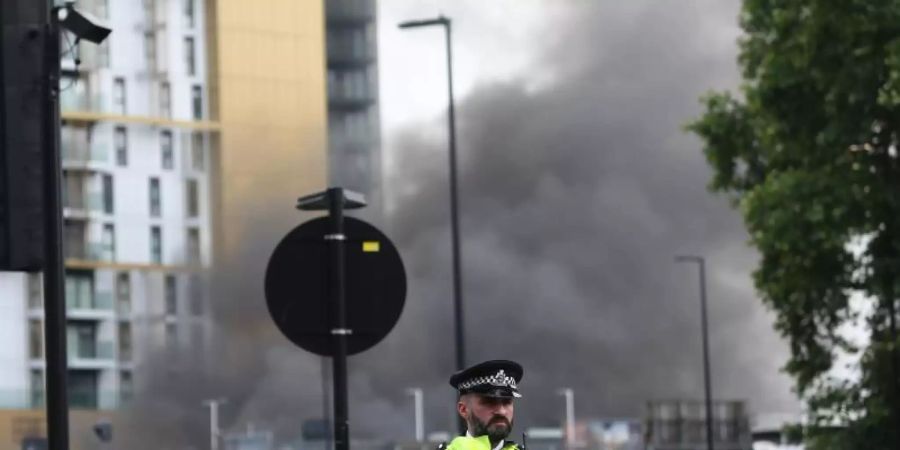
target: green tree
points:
(808, 151)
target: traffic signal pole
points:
(54, 296)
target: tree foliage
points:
(808, 151)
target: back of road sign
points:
(297, 286)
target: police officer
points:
(485, 402)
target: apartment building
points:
(172, 131)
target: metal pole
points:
(458, 314)
(339, 319)
(706, 376)
(569, 394)
(326, 404)
(214, 422)
(419, 413)
(454, 208)
(54, 296)
(459, 325)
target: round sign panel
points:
(297, 286)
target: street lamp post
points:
(419, 413)
(454, 197)
(701, 264)
(454, 201)
(569, 394)
(214, 421)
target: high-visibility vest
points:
(476, 443)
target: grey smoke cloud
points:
(575, 194)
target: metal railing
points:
(79, 151)
(350, 11)
(78, 398)
(99, 301)
(95, 351)
(83, 202)
(87, 251)
(77, 101)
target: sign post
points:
(335, 286)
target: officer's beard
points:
(497, 429)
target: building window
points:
(74, 236)
(119, 100)
(150, 50)
(192, 193)
(197, 102)
(101, 9)
(165, 146)
(120, 141)
(123, 293)
(198, 153)
(35, 291)
(171, 335)
(190, 59)
(156, 244)
(108, 243)
(102, 50)
(195, 288)
(35, 339)
(126, 386)
(79, 289)
(155, 198)
(165, 99)
(107, 194)
(193, 238)
(125, 347)
(37, 389)
(171, 290)
(189, 13)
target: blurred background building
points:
(188, 113)
(681, 425)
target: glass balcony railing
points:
(348, 54)
(78, 398)
(95, 351)
(100, 301)
(84, 202)
(21, 399)
(94, 399)
(76, 101)
(78, 151)
(90, 56)
(349, 99)
(88, 251)
(350, 11)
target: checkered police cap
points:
(495, 378)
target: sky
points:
(577, 185)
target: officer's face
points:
(487, 415)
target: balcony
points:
(83, 206)
(98, 306)
(79, 154)
(93, 355)
(21, 399)
(349, 101)
(349, 13)
(343, 55)
(77, 100)
(92, 57)
(95, 399)
(87, 251)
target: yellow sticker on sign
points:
(371, 246)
